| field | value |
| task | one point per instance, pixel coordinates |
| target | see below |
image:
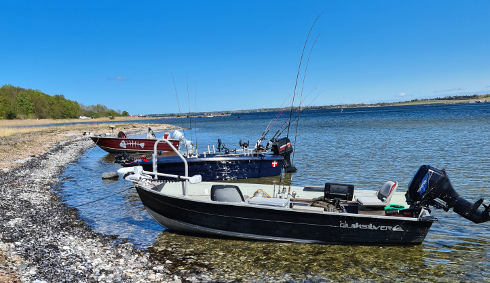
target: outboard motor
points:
(123, 157)
(178, 135)
(284, 148)
(430, 183)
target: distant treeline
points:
(17, 102)
(456, 97)
(477, 97)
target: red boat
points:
(121, 143)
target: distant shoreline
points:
(482, 99)
(136, 119)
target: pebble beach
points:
(42, 240)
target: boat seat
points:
(275, 202)
(121, 135)
(382, 197)
(308, 208)
(226, 193)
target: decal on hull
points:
(131, 143)
(397, 228)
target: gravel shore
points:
(42, 240)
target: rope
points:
(60, 209)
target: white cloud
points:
(401, 94)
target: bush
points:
(10, 115)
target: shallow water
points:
(362, 146)
(252, 260)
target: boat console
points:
(339, 191)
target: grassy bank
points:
(36, 122)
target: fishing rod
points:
(306, 69)
(273, 121)
(269, 126)
(295, 110)
(300, 101)
(299, 69)
(178, 105)
(295, 86)
(195, 110)
(279, 132)
(189, 103)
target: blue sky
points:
(244, 54)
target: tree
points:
(28, 103)
(41, 104)
(125, 113)
(111, 112)
(24, 104)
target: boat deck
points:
(202, 191)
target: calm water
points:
(365, 147)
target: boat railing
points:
(245, 151)
(186, 167)
(139, 174)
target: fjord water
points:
(360, 146)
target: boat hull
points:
(129, 145)
(217, 167)
(189, 215)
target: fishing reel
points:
(270, 143)
(244, 145)
(222, 147)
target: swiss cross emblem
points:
(274, 163)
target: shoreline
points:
(43, 240)
(218, 113)
(39, 122)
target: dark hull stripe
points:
(257, 222)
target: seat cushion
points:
(277, 202)
(370, 201)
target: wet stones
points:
(42, 240)
(48, 240)
(110, 176)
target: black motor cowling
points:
(123, 157)
(430, 183)
(284, 148)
